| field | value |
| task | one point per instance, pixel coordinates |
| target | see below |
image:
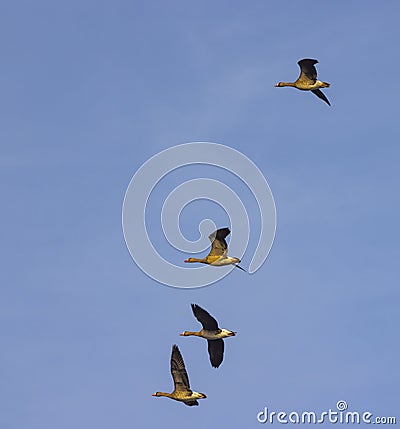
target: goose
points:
(182, 391)
(219, 251)
(307, 81)
(212, 333)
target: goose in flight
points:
(219, 251)
(307, 81)
(182, 391)
(212, 333)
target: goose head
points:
(229, 333)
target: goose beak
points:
(153, 394)
(186, 260)
(277, 84)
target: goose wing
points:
(216, 352)
(204, 317)
(178, 371)
(191, 402)
(321, 95)
(308, 71)
(217, 238)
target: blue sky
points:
(89, 92)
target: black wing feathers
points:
(178, 370)
(216, 352)
(308, 69)
(205, 318)
(321, 95)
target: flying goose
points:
(219, 251)
(182, 391)
(212, 333)
(307, 81)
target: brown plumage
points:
(182, 391)
(219, 251)
(307, 81)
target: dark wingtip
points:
(321, 95)
(313, 60)
(191, 403)
(223, 232)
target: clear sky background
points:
(89, 91)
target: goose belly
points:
(210, 335)
(225, 261)
(310, 86)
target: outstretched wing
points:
(216, 352)
(191, 402)
(217, 238)
(178, 371)
(321, 95)
(204, 317)
(308, 71)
